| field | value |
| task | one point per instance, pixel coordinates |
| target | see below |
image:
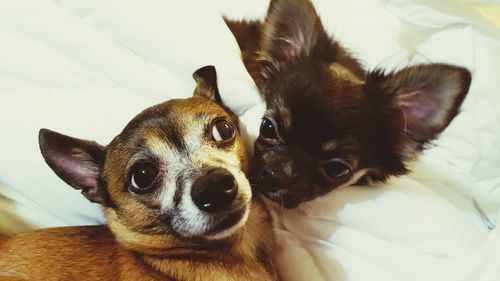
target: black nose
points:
(270, 180)
(214, 191)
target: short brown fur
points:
(139, 241)
(93, 253)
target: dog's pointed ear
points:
(206, 84)
(292, 29)
(420, 101)
(78, 162)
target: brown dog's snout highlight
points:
(214, 191)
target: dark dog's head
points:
(177, 168)
(327, 123)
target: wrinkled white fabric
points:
(86, 67)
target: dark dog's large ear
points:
(420, 101)
(206, 84)
(292, 29)
(78, 162)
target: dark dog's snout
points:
(270, 180)
(278, 174)
(214, 191)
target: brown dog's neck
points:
(168, 245)
(247, 252)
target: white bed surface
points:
(86, 67)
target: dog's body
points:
(93, 253)
(174, 194)
(328, 122)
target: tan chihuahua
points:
(173, 189)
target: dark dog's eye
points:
(222, 131)
(267, 130)
(337, 170)
(142, 178)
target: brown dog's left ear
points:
(78, 162)
(420, 102)
(206, 84)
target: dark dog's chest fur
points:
(328, 122)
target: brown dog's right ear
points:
(206, 84)
(78, 162)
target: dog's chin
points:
(282, 198)
(288, 198)
(228, 224)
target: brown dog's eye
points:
(142, 178)
(267, 130)
(337, 169)
(222, 131)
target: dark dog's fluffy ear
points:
(420, 102)
(292, 29)
(78, 162)
(206, 84)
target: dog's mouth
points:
(282, 198)
(229, 224)
(229, 221)
(289, 196)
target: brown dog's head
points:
(327, 123)
(177, 168)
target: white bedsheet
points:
(85, 67)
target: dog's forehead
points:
(170, 123)
(307, 122)
(313, 110)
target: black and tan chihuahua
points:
(329, 123)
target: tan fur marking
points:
(345, 74)
(330, 146)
